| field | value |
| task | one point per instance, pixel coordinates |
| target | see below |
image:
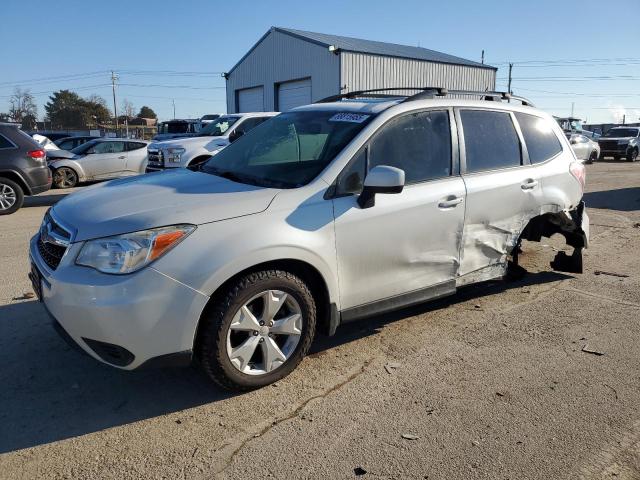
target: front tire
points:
(257, 331)
(632, 156)
(11, 196)
(593, 157)
(65, 177)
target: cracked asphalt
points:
(534, 379)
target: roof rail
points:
(425, 93)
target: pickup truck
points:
(192, 151)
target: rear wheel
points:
(633, 155)
(65, 177)
(11, 196)
(258, 331)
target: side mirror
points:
(380, 179)
(236, 134)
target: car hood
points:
(54, 154)
(158, 199)
(194, 142)
(616, 138)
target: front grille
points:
(611, 145)
(155, 157)
(50, 253)
(53, 241)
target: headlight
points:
(130, 252)
(173, 154)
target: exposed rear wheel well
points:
(306, 272)
(17, 179)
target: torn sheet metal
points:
(488, 245)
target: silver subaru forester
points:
(325, 214)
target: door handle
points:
(450, 202)
(529, 184)
(121, 158)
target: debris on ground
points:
(359, 471)
(611, 274)
(25, 296)
(390, 366)
(410, 436)
(586, 349)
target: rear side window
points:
(418, 143)
(5, 143)
(135, 145)
(490, 139)
(541, 141)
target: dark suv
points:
(23, 168)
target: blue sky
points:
(143, 40)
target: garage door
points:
(294, 94)
(251, 100)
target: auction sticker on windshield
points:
(349, 117)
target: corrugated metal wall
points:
(280, 58)
(362, 71)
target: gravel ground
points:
(538, 378)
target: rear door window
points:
(5, 143)
(541, 140)
(491, 140)
(135, 145)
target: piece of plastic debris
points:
(390, 366)
(410, 436)
(359, 471)
(586, 349)
(611, 274)
(475, 443)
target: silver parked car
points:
(586, 149)
(100, 159)
(324, 214)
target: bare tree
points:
(22, 105)
(128, 110)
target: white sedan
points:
(100, 159)
(585, 148)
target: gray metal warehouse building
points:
(287, 68)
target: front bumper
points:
(122, 320)
(158, 168)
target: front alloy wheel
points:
(257, 331)
(64, 177)
(264, 332)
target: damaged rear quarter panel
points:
(498, 209)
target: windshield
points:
(79, 150)
(218, 127)
(289, 150)
(622, 132)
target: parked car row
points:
(239, 263)
(195, 150)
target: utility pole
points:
(624, 119)
(174, 109)
(510, 69)
(114, 77)
(573, 104)
(482, 59)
